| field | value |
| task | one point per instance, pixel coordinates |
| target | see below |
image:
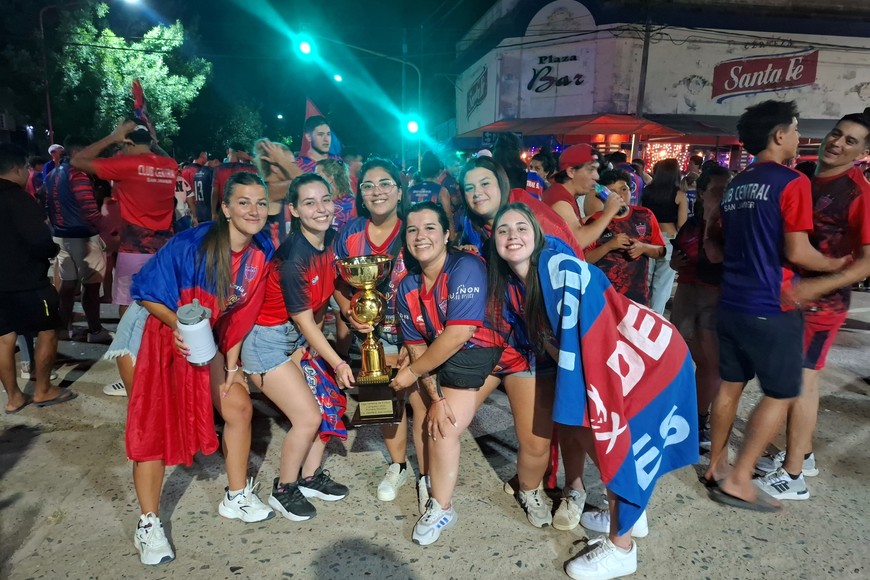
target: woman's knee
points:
(237, 409)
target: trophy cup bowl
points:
(377, 401)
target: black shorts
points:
(29, 311)
(770, 347)
(468, 368)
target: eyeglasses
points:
(384, 186)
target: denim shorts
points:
(128, 336)
(268, 347)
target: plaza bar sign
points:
(762, 74)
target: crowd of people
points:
(491, 283)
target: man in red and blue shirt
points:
(317, 133)
(766, 219)
(75, 223)
(841, 222)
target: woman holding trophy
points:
(300, 282)
(442, 305)
(381, 204)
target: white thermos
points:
(193, 323)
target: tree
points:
(98, 68)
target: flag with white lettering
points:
(625, 372)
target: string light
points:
(655, 152)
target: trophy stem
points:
(374, 363)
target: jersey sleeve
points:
(410, 334)
(859, 217)
(466, 292)
(295, 284)
(339, 244)
(796, 204)
(112, 167)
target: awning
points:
(725, 126)
(579, 125)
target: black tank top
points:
(665, 211)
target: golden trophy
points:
(378, 403)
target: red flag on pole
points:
(140, 108)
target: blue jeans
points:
(661, 278)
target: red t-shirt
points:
(558, 192)
(301, 278)
(222, 174)
(551, 223)
(145, 186)
(629, 277)
(841, 225)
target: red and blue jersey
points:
(307, 164)
(458, 297)
(762, 204)
(353, 240)
(301, 278)
(841, 225)
(345, 210)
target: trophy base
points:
(378, 404)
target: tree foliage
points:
(98, 68)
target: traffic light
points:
(413, 125)
(304, 46)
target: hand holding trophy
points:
(378, 403)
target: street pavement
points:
(69, 509)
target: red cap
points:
(577, 155)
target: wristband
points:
(233, 370)
(336, 367)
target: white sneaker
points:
(245, 506)
(433, 521)
(25, 373)
(602, 560)
(424, 487)
(151, 542)
(767, 464)
(780, 485)
(536, 507)
(395, 478)
(599, 521)
(567, 515)
(115, 390)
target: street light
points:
(45, 81)
(380, 55)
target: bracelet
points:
(416, 376)
(336, 367)
(233, 370)
(439, 400)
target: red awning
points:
(579, 125)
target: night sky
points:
(254, 60)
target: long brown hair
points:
(214, 253)
(537, 326)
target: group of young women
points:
(458, 323)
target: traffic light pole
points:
(394, 59)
